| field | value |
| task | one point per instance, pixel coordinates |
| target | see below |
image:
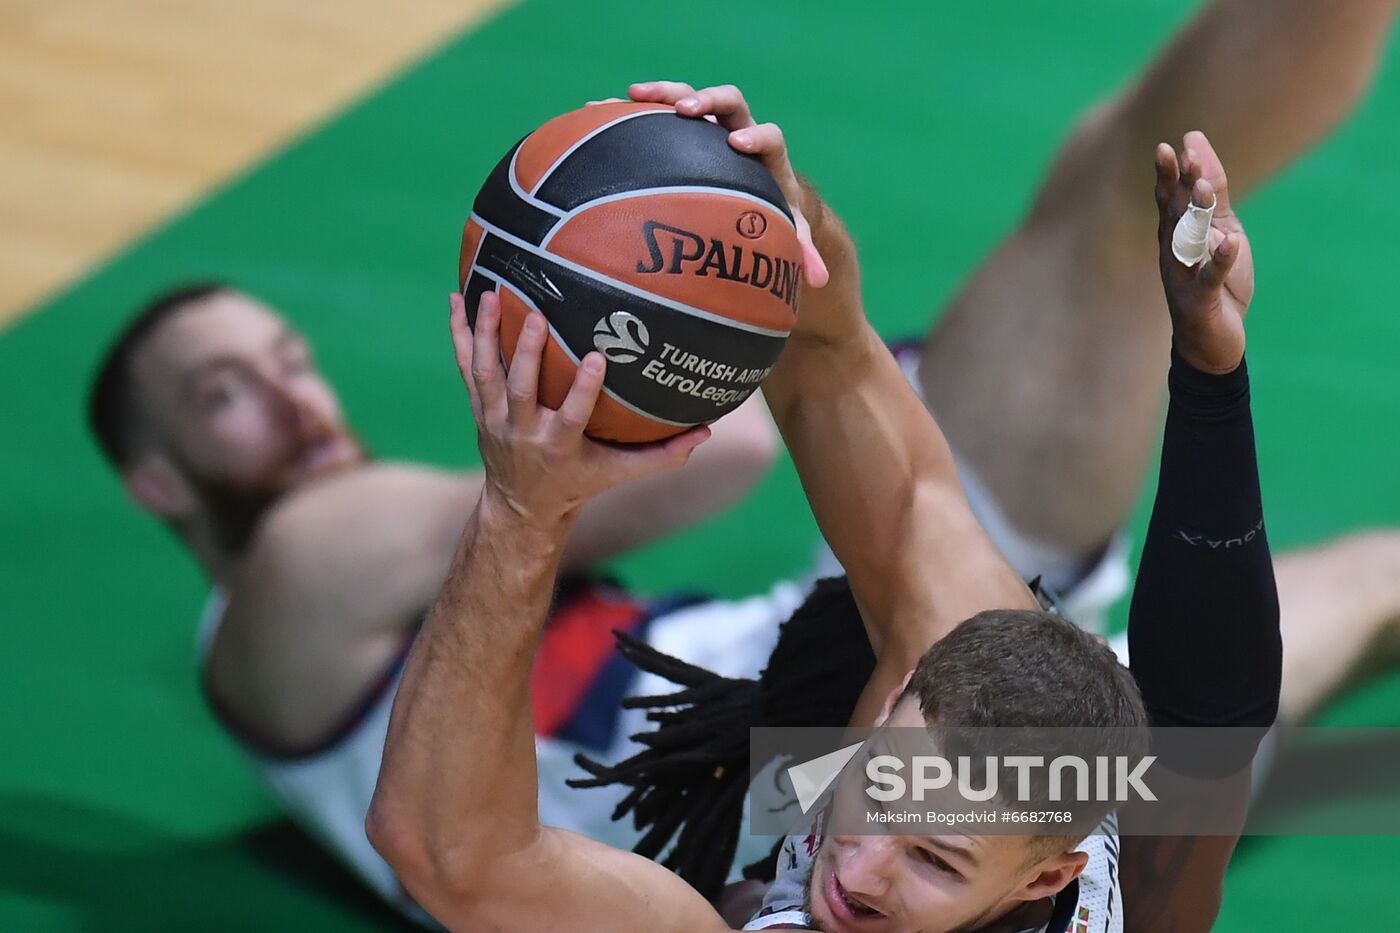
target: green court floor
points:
(927, 125)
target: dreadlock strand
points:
(689, 779)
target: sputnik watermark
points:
(987, 781)
(1105, 779)
(1117, 780)
(999, 777)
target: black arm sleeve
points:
(1203, 631)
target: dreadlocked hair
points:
(688, 781)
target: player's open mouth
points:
(847, 910)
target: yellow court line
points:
(116, 114)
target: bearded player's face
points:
(239, 407)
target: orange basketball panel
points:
(611, 421)
(545, 145)
(717, 252)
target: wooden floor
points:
(116, 113)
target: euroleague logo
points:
(621, 337)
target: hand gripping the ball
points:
(726, 106)
(537, 460)
(1208, 300)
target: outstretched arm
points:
(1204, 626)
(420, 512)
(454, 812)
(880, 477)
(321, 588)
(876, 469)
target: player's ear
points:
(1050, 875)
(158, 487)
(892, 700)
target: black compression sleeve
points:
(1203, 631)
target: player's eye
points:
(930, 857)
(215, 395)
(219, 390)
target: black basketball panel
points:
(498, 203)
(476, 285)
(665, 363)
(657, 150)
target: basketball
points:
(643, 235)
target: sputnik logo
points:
(811, 778)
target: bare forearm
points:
(885, 492)
(878, 472)
(461, 732)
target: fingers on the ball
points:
(641, 459)
(814, 271)
(486, 354)
(461, 333)
(766, 141)
(761, 139)
(726, 102)
(462, 346)
(680, 447)
(815, 274)
(660, 92)
(578, 405)
(1220, 263)
(522, 383)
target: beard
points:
(234, 510)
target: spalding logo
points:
(621, 337)
(676, 251)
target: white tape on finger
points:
(1191, 238)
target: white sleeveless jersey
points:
(327, 792)
(1092, 903)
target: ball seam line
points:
(583, 139)
(522, 194)
(670, 189)
(563, 345)
(633, 290)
